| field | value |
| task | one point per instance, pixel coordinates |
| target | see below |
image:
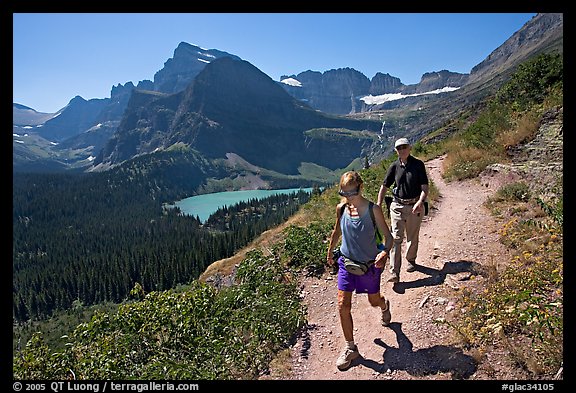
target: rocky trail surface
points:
(458, 245)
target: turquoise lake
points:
(206, 204)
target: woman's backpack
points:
(359, 268)
(377, 235)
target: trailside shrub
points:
(306, 247)
(201, 333)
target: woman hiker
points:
(357, 226)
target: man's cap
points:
(401, 141)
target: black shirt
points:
(408, 178)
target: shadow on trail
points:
(437, 277)
(425, 361)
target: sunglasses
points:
(349, 193)
(402, 147)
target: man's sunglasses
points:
(349, 193)
(402, 147)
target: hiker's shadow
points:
(422, 362)
(437, 277)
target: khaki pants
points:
(403, 221)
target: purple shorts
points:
(369, 282)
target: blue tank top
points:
(358, 241)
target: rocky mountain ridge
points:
(205, 118)
(341, 91)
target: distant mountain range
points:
(346, 91)
(72, 137)
(225, 111)
(232, 107)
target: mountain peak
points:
(226, 82)
(76, 100)
(187, 62)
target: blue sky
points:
(57, 56)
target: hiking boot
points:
(394, 277)
(346, 358)
(386, 316)
(411, 267)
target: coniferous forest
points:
(92, 237)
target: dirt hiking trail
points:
(458, 239)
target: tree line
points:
(91, 237)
